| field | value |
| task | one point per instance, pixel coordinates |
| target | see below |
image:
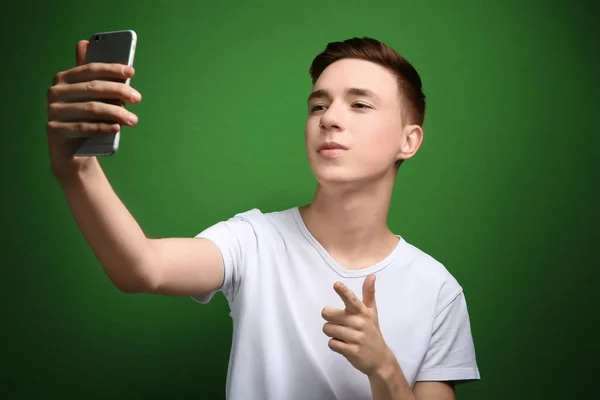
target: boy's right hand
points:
(75, 109)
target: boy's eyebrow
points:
(324, 94)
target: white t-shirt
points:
(278, 278)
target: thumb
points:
(81, 51)
(369, 291)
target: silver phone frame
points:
(102, 144)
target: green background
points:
(504, 190)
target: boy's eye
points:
(321, 107)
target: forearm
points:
(115, 237)
(389, 383)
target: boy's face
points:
(355, 103)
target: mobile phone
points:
(108, 47)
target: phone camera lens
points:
(97, 38)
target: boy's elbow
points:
(138, 283)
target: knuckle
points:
(91, 86)
(56, 78)
(360, 337)
(50, 94)
(110, 128)
(102, 128)
(91, 107)
(81, 127)
(51, 126)
(93, 68)
(51, 109)
(360, 323)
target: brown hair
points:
(409, 81)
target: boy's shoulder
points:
(257, 214)
(428, 272)
(258, 218)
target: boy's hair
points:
(409, 81)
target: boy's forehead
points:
(347, 73)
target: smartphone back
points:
(108, 47)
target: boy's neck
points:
(351, 225)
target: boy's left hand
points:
(355, 331)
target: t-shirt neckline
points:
(331, 261)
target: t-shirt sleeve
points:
(451, 353)
(233, 237)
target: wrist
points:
(75, 174)
(388, 382)
(387, 368)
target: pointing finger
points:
(353, 303)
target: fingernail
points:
(133, 119)
(128, 71)
(136, 96)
